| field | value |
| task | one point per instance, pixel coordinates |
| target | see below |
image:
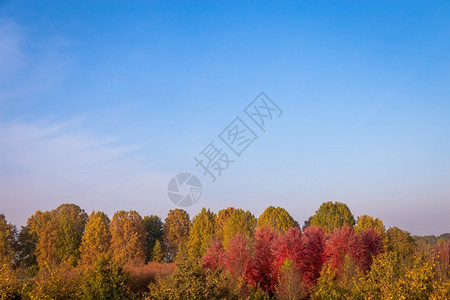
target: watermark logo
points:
(185, 189)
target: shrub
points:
(104, 280)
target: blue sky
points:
(101, 103)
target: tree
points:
(239, 258)
(276, 218)
(11, 286)
(201, 232)
(127, 238)
(264, 273)
(367, 222)
(96, 240)
(58, 234)
(7, 242)
(328, 286)
(71, 222)
(27, 248)
(288, 247)
(190, 281)
(400, 242)
(331, 215)
(214, 256)
(153, 226)
(32, 251)
(339, 246)
(222, 217)
(157, 253)
(104, 280)
(313, 255)
(239, 222)
(176, 232)
(290, 285)
(55, 283)
(368, 244)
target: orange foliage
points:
(142, 275)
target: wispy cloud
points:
(12, 57)
(29, 67)
(43, 165)
(43, 162)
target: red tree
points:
(238, 259)
(367, 244)
(339, 244)
(214, 256)
(313, 240)
(263, 269)
(288, 246)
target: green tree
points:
(7, 242)
(96, 239)
(127, 238)
(400, 242)
(201, 232)
(104, 280)
(71, 220)
(331, 215)
(240, 222)
(153, 226)
(176, 232)
(190, 281)
(276, 218)
(367, 222)
(157, 253)
(27, 248)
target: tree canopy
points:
(331, 215)
(96, 239)
(276, 218)
(127, 238)
(176, 231)
(154, 227)
(239, 222)
(202, 230)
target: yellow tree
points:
(222, 217)
(58, 234)
(276, 218)
(176, 232)
(96, 239)
(127, 238)
(240, 222)
(7, 240)
(367, 222)
(331, 215)
(36, 241)
(157, 253)
(400, 242)
(201, 232)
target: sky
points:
(103, 102)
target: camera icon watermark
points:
(184, 189)
(216, 158)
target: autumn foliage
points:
(64, 254)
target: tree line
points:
(67, 254)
